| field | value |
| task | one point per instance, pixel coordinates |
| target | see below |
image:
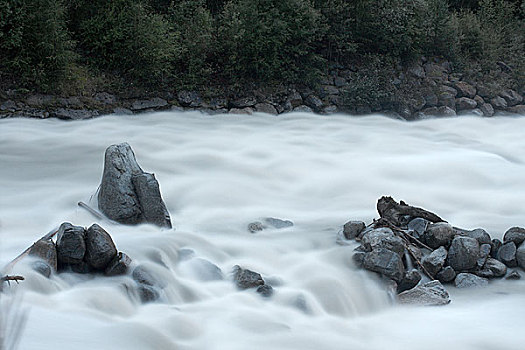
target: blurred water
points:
(219, 173)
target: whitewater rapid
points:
(219, 173)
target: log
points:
(395, 212)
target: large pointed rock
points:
(128, 194)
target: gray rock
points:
(417, 71)
(469, 280)
(352, 229)
(122, 111)
(383, 238)
(495, 244)
(435, 261)
(439, 234)
(514, 234)
(484, 253)
(204, 270)
(465, 103)
(74, 114)
(119, 265)
(498, 102)
(303, 108)
(100, 249)
(476, 112)
(278, 223)
(507, 254)
(105, 98)
(446, 275)
(463, 253)
(513, 275)
(465, 90)
(314, 102)
(153, 103)
(446, 111)
(495, 268)
(147, 293)
(127, 194)
(9, 106)
(511, 97)
(409, 281)
(431, 100)
(46, 251)
(245, 278)
(265, 290)
(385, 262)
(520, 256)
(330, 109)
(479, 100)
(480, 235)
(142, 275)
(429, 294)
(189, 99)
(295, 99)
(256, 227)
(518, 109)
(435, 71)
(266, 108)
(487, 109)
(241, 111)
(418, 226)
(42, 268)
(71, 246)
(244, 102)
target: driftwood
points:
(395, 212)
(92, 211)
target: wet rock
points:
(465, 90)
(429, 294)
(514, 234)
(265, 108)
(513, 275)
(127, 194)
(469, 280)
(480, 235)
(119, 265)
(46, 251)
(507, 254)
(189, 99)
(255, 227)
(278, 223)
(409, 281)
(465, 103)
(105, 98)
(142, 275)
(401, 213)
(435, 261)
(154, 103)
(418, 226)
(385, 262)
(330, 109)
(100, 249)
(303, 108)
(71, 246)
(9, 106)
(498, 102)
(446, 111)
(203, 270)
(518, 109)
(352, 229)
(122, 111)
(446, 275)
(439, 234)
(42, 268)
(295, 99)
(463, 253)
(359, 258)
(495, 244)
(492, 268)
(511, 97)
(74, 114)
(383, 238)
(314, 102)
(487, 109)
(265, 290)
(244, 102)
(245, 278)
(147, 293)
(484, 253)
(520, 256)
(241, 111)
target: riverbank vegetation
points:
(82, 46)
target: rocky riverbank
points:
(427, 88)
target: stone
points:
(496, 268)
(518, 109)
(463, 253)
(314, 102)
(409, 281)
(465, 89)
(511, 97)
(417, 71)
(487, 109)
(153, 103)
(122, 111)
(278, 223)
(417, 227)
(265, 290)
(479, 100)
(42, 268)
(435, 261)
(429, 294)
(385, 262)
(514, 234)
(520, 256)
(480, 235)
(484, 253)
(9, 106)
(435, 71)
(127, 194)
(255, 227)
(245, 278)
(105, 98)
(446, 275)
(71, 246)
(330, 109)
(513, 275)
(352, 229)
(431, 100)
(74, 114)
(507, 254)
(326, 90)
(142, 275)
(303, 108)
(119, 265)
(295, 99)
(244, 102)
(241, 111)
(439, 234)
(46, 251)
(472, 112)
(383, 238)
(359, 258)
(446, 111)
(40, 101)
(265, 108)
(469, 280)
(465, 103)
(495, 245)
(147, 293)
(189, 99)
(100, 249)
(498, 102)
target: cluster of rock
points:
(246, 279)
(426, 89)
(410, 245)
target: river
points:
(219, 173)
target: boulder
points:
(127, 194)
(100, 249)
(143, 276)
(480, 235)
(469, 280)
(465, 90)
(352, 229)
(446, 275)
(493, 268)
(428, 294)
(303, 108)
(463, 253)
(265, 108)
(435, 261)
(245, 278)
(487, 109)
(295, 99)
(153, 103)
(189, 99)
(241, 111)
(359, 258)
(447, 99)
(314, 102)
(42, 268)
(45, 250)
(511, 97)
(385, 262)
(446, 111)
(507, 254)
(465, 103)
(409, 281)
(439, 234)
(514, 234)
(513, 275)
(119, 265)
(74, 114)
(518, 109)
(400, 214)
(431, 99)
(498, 102)
(71, 246)
(520, 256)
(383, 238)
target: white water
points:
(217, 174)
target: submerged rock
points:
(428, 294)
(520, 256)
(46, 251)
(278, 223)
(41, 267)
(71, 246)
(245, 278)
(119, 265)
(265, 290)
(469, 280)
(147, 293)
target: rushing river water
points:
(217, 174)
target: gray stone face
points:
(127, 194)
(409, 281)
(383, 238)
(352, 229)
(469, 280)
(463, 253)
(514, 234)
(429, 294)
(507, 254)
(245, 278)
(435, 261)
(520, 256)
(71, 246)
(439, 234)
(119, 265)
(446, 275)
(46, 251)
(385, 262)
(100, 249)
